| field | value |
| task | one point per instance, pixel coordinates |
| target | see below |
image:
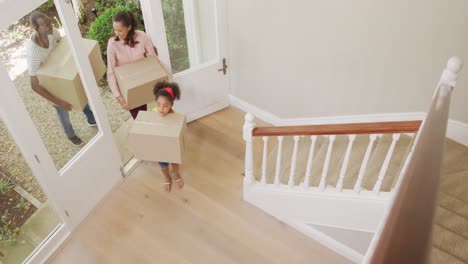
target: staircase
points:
(353, 200)
(340, 184)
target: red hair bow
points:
(169, 91)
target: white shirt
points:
(37, 54)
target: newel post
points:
(249, 126)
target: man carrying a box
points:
(40, 45)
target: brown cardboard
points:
(60, 77)
(158, 138)
(136, 80)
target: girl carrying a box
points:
(128, 45)
(165, 93)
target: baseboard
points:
(456, 130)
(327, 241)
(220, 104)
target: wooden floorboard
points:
(206, 222)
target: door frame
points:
(155, 28)
(22, 129)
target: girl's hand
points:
(122, 102)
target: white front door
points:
(75, 188)
(191, 39)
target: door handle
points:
(224, 67)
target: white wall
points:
(308, 58)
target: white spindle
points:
(362, 170)
(278, 161)
(386, 163)
(249, 125)
(264, 161)
(323, 181)
(292, 173)
(344, 167)
(309, 162)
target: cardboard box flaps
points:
(136, 80)
(59, 74)
(153, 137)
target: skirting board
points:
(220, 104)
(456, 130)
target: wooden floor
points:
(206, 222)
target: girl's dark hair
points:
(127, 19)
(160, 90)
(35, 15)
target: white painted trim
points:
(328, 241)
(13, 10)
(192, 32)
(456, 130)
(256, 111)
(278, 121)
(131, 166)
(156, 29)
(42, 253)
(220, 104)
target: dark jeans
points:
(64, 119)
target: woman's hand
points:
(122, 102)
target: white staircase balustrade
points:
(306, 182)
(264, 160)
(344, 167)
(365, 161)
(323, 180)
(249, 126)
(292, 173)
(384, 168)
(278, 161)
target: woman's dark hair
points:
(35, 15)
(127, 19)
(164, 88)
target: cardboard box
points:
(136, 80)
(158, 138)
(59, 74)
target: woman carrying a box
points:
(128, 45)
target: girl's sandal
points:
(180, 182)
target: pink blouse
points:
(120, 54)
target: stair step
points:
(455, 157)
(452, 203)
(450, 241)
(453, 221)
(456, 185)
(440, 256)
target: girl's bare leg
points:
(178, 178)
(168, 180)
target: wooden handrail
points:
(340, 129)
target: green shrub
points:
(101, 29)
(47, 6)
